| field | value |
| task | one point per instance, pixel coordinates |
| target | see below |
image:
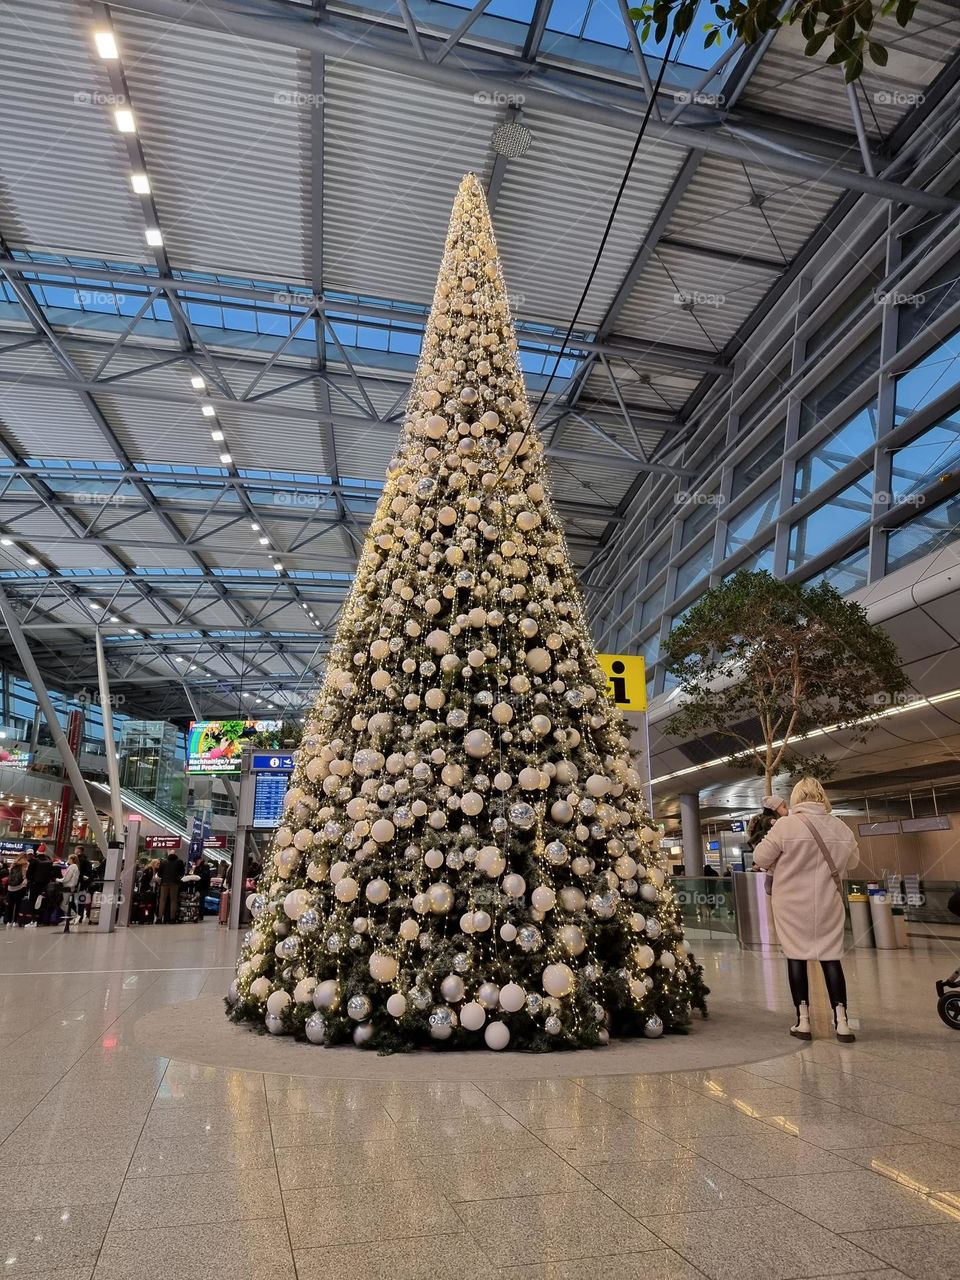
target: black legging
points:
(832, 976)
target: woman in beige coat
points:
(807, 901)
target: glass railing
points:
(706, 904)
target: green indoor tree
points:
(793, 658)
(850, 25)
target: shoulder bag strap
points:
(825, 851)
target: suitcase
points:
(223, 915)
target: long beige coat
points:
(807, 909)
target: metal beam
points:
(373, 44)
(53, 724)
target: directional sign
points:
(627, 678)
(163, 842)
(265, 762)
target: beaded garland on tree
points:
(466, 859)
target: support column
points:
(692, 836)
(106, 710)
(56, 731)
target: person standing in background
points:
(203, 872)
(70, 885)
(17, 889)
(40, 874)
(171, 873)
(809, 851)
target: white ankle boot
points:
(844, 1034)
(801, 1029)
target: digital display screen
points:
(215, 746)
(269, 790)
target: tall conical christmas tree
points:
(466, 857)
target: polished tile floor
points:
(116, 1163)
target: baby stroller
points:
(948, 989)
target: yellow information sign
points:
(628, 680)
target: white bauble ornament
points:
(303, 991)
(433, 858)
(338, 871)
(377, 891)
(396, 1005)
(296, 903)
(643, 957)
(512, 997)
(481, 921)
(473, 1016)
(440, 897)
(625, 867)
(326, 994)
(277, 1002)
(260, 988)
(502, 781)
(488, 994)
(513, 885)
(539, 661)
(383, 967)
(558, 979)
(597, 785)
(649, 892)
(572, 900)
(572, 939)
(667, 960)
(315, 1028)
(346, 890)
(471, 804)
(502, 712)
(497, 1036)
(529, 778)
(451, 988)
(442, 1021)
(409, 929)
(382, 831)
(466, 922)
(508, 932)
(561, 811)
(477, 743)
(362, 1033)
(541, 725)
(543, 898)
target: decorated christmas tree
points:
(466, 858)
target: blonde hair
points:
(809, 789)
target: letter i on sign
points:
(627, 680)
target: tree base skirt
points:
(196, 1031)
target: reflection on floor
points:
(115, 1163)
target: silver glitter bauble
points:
(419, 998)
(457, 718)
(315, 1028)
(499, 825)
(334, 943)
(529, 939)
(534, 1003)
(522, 815)
(441, 1022)
(274, 1024)
(552, 1025)
(653, 929)
(356, 942)
(359, 1008)
(653, 1027)
(309, 922)
(257, 905)
(461, 962)
(289, 947)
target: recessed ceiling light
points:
(225, 459)
(131, 631)
(113, 619)
(278, 566)
(106, 44)
(217, 435)
(140, 183)
(124, 120)
(207, 410)
(254, 526)
(32, 560)
(264, 542)
(178, 659)
(6, 542)
(153, 237)
(198, 381)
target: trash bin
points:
(881, 917)
(860, 919)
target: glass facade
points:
(839, 481)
